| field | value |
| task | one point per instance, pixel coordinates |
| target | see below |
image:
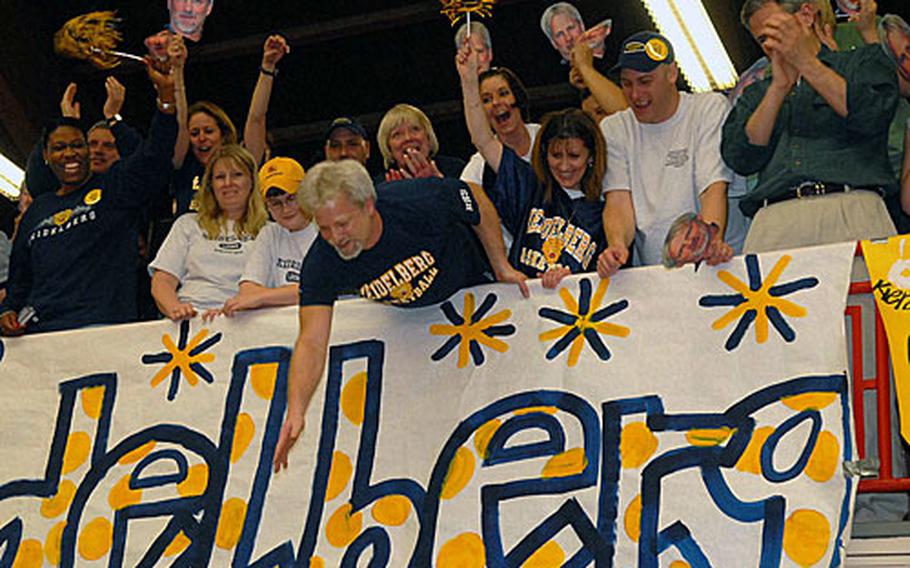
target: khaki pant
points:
(819, 220)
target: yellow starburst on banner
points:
(184, 357)
(760, 301)
(468, 334)
(454, 10)
(583, 322)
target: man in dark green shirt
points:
(816, 133)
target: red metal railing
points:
(880, 383)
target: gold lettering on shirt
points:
(404, 282)
(558, 237)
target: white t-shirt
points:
(666, 166)
(277, 255)
(473, 172)
(208, 270)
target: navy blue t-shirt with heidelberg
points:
(425, 254)
(563, 232)
(74, 257)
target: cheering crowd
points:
(190, 220)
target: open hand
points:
(509, 274)
(69, 107)
(416, 165)
(116, 93)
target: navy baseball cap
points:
(643, 52)
(349, 123)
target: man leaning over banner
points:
(816, 133)
(407, 247)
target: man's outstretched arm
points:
(307, 365)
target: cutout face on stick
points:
(188, 16)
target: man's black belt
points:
(816, 188)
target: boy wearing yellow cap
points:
(272, 270)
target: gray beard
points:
(350, 256)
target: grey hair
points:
(678, 225)
(327, 180)
(553, 10)
(476, 28)
(103, 124)
(751, 6)
(891, 23)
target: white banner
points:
(659, 419)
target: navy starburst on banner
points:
(185, 358)
(469, 330)
(583, 322)
(758, 302)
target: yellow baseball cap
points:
(281, 173)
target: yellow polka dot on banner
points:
(530, 409)
(636, 445)
(806, 537)
(122, 496)
(461, 470)
(76, 452)
(825, 458)
(262, 378)
(92, 399)
(809, 400)
(353, 398)
(95, 539)
(339, 475)
(550, 555)
(317, 562)
(679, 564)
(570, 462)
(343, 527)
(52, 543)
(29, 555)
(243, 435)
(136, 455)
(230, 525)
(197, 479)
(632, 519)
(706, 437)
(464, 551)
(59, 503)
(180, 543)
(392, 510)
(483, 435)
(750, 461)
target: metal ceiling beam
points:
(330, 30)
(546, 96)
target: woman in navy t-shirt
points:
(553, 207)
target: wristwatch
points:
(112, 121)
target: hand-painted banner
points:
(661, 418)
(889, 272)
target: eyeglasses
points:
(281, 202)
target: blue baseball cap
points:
(643, 52)
(348, 123)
